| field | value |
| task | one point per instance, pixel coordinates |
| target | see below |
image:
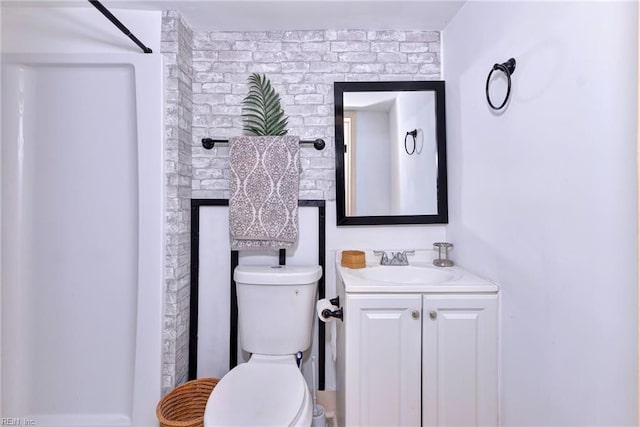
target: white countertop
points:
(458, 280)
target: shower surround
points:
(82, 239)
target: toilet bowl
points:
(275, 318)
(266, 391)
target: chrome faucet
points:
(397, 258)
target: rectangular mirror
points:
(390, 153)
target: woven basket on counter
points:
(353, 259)
(184, 405)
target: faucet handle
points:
(402, 256)
(384, 258)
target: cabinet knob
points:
(433, 314)
(415, 314)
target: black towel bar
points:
(209, 143)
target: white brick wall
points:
(302, 65)
(177, 49)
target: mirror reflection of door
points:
(349, 159)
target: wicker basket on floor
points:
(184, 405)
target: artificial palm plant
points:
(262, 113)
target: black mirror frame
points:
(437, 86)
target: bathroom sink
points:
(408, 274)
(420, 276)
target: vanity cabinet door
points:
(382, 360)
(460, 360)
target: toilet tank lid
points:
(277, 274)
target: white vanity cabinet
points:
(419, 357)
(382, 360)
(460, 360)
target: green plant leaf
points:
(262, 111)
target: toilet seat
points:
(260, 392)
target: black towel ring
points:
(507, 68)
(414, 134)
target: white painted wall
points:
(417, 173)
(543, 200)
(76, 30)
(396, 237)
(395, 170)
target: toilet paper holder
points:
(326, 313)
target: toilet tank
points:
(276, 307)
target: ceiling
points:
(256, 15)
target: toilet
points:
(276, 306)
